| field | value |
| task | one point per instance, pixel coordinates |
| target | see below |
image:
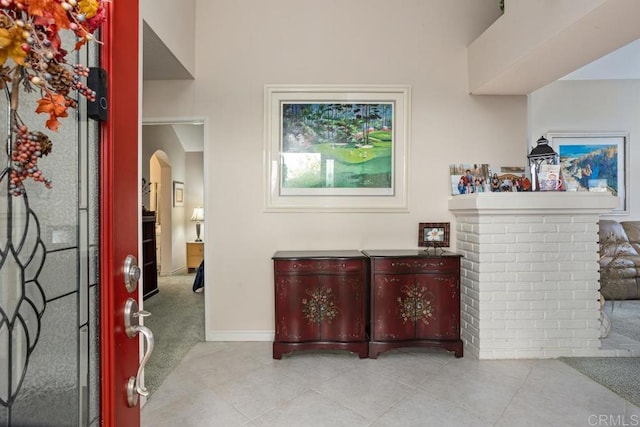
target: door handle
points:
(132, 328)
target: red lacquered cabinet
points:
(415, 300)
(320, 301)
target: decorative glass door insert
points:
(49, 265)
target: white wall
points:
(162, 137)
(592, 106)
(243, 45)
(194, 192)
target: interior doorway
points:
(160, 203)
(172, 152)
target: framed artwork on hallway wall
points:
(178, 193)
(336, 148)
(595, 162)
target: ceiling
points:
(623, 63)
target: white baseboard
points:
(240, 335)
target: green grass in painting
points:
(353, 155)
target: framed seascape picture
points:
(336, 148)
(594, 162)
(178, 193)
(433, 234)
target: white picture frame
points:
(576, 151)
(289, 145)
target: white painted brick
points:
(577, 266)
(572, 305)
(531, 296)
(572, 324)
(544, 247)
(519, 305)
(559, 257)
(576, 227)
(519, 249)
(531, 315)
(530, 238)
(544, 305)
(495, 248)
(504, 238)
(503, 277)
(570, 247)
(586, 315)
(529, 277)
(585, 219)
(577, 285)
(558, 295)
(494, 305)
(558, 238)
(518, 268)
(587, 295)
(560, 333)
(545, 227)
(547, 324)
(546, 285)
(546, 267)
(527, 334)
(556, 276)
(559, 314)
(491, 267)
(585, 333)
(504, 334)
(545, 343)
(520, 325)
(528, 256)
(504, 296)
(531, 354)
(581, 237)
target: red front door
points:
(119, 207)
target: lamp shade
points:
(198, 214)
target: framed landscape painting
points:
(595, 162)
(336, 148)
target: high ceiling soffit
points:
(503, 62)
(158, 62)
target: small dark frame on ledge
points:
(433, 234)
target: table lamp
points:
(198, 217)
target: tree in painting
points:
(354, 138)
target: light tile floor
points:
(240, 384)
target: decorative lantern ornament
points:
(542, 154)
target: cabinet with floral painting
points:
(415, 300)
(320, 301)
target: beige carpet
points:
(177, 323)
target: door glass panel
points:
(49, 273)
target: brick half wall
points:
(530, 278)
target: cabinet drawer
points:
(319, 266)
(415, 265)
(195, 249)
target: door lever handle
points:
(132, 328)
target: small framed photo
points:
(433, 234)
(178, 193)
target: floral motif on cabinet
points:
(414, 304)
(320, 305)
